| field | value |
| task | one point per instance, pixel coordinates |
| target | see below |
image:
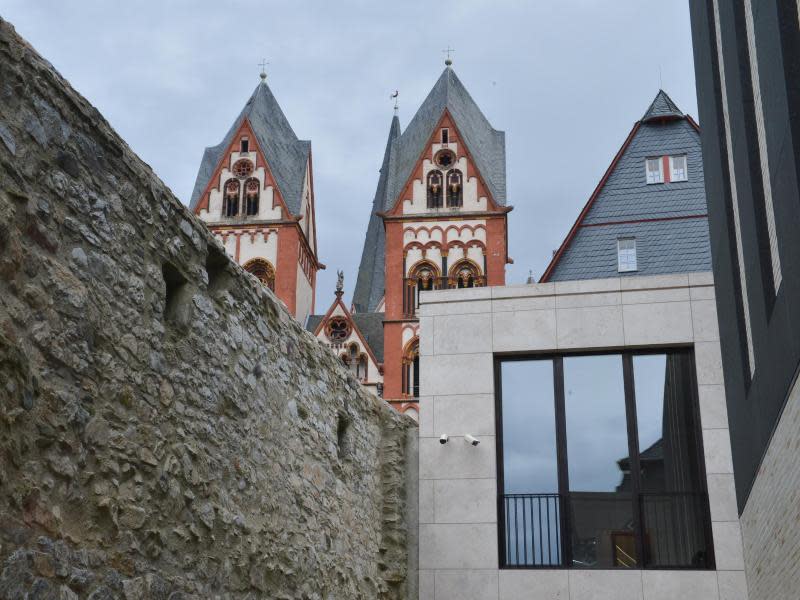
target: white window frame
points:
(647, 171)
(624, 255)
(673, 172)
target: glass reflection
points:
(597, 434)
(532, 506)
(529, 432)
(672, 509)
(597, 447)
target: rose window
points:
(242, 168)
(337, 330)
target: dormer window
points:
(678, 170)
(626, 255)
(653, 168)
(445, 136)
(244, 145)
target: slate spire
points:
(284, 153)
(369, 284)
(662, 107)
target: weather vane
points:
(263, 64)
(447, 51)
(396, 100)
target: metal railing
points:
(413, 287)
(532, 530)
(598, 530)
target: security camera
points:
(444, 438)
(471, 440)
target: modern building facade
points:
(603, 465)
(438, 220)
(747, 64)
(255, 191)
(648, 215)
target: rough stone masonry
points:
(167, 430)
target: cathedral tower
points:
(255, 191)
(438, 221)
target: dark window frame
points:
(626, 356)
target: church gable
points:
(242, 183)
(286, 156)
(445, 176)
(339, 330)
(448, 97)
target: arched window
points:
(455, 193)
(464, 274)
(230, 200)
(361, 372)
(411, 369)
(435, 185)
(425, 275)
(252, 191)
(356, 362)
(262, 270)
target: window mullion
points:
(563, 468)
(633, 453)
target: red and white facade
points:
(436, 238)
(245, 207)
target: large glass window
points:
(597, 440)
(601, 462)
(530, 462)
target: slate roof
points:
(624, 205)
(370, 324)
(663, 247)
(286, 156)
(486, 145)
(371, 277)
(662, 107)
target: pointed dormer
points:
(356, 338)
(647, 216)
(255, 192)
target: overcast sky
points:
(565, 79)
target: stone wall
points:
(167, 430)
(771, 517)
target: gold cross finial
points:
(263, 64)
(447, 51)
